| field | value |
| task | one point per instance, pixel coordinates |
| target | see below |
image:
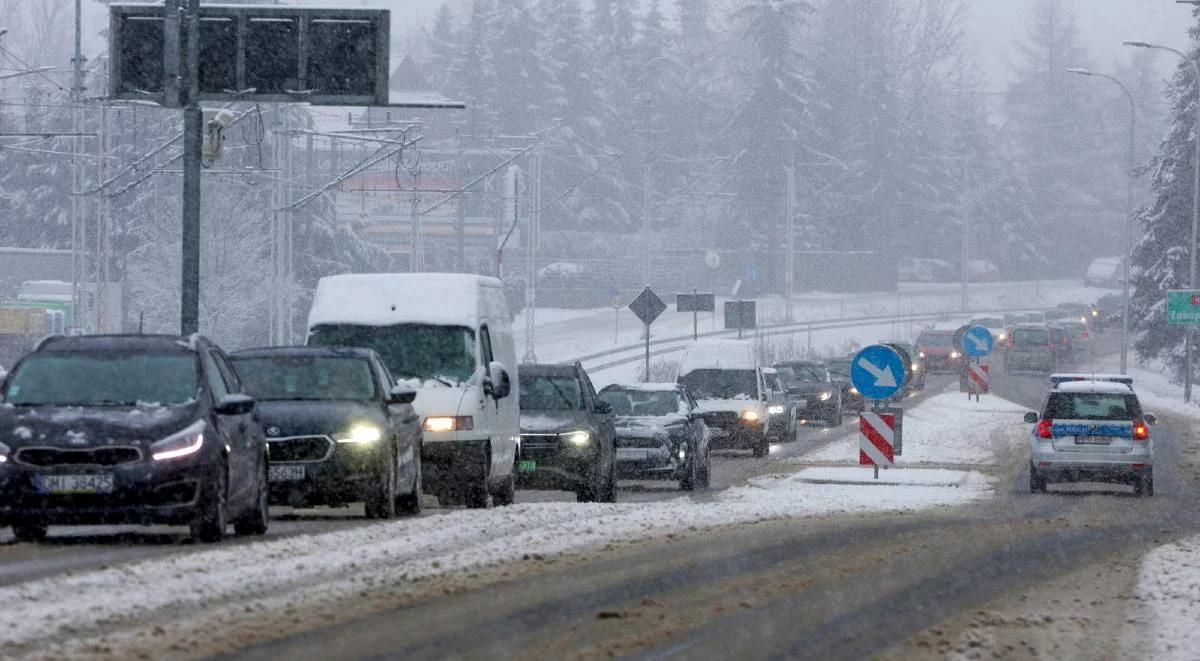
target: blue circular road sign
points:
(977, 342)
(877, 371)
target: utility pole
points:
(966, 234)
(790, 262)
(77, 90)
(193, 119)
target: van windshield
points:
(428, 353)
(721, 384)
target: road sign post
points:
(878, 372)
(647, 306)
(695, 303)
(741, 315)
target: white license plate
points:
(285, 473)
(632, 454)
(75, 484)
(802, 403)
(1093, 440)
(714, 432)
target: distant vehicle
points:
(1109, 309)
(120, 429)
(453, 344)
(781, 406)
(922, 269)
(725, 378)
(338, 430)
(1033, 318)
(1105, 272)
(839, 370)
(660, 434)
(996, 325)
(981, 270)
(1030, 347)
(914, 376)
(1078, 311)
(1077, 333)
(1062, 343)
(820, 396)
(567, 434)
(937, 352)
(1091, 431)
(1056, 315)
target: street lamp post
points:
(1187, 333)
(1129, 210)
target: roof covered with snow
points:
(1097, 387)
(718, 355)
(381, 299)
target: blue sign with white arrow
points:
(877, 371)
(977, 342)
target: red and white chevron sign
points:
(977, 379)
(876, 439)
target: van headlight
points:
(776, 409)
(750, 415)
(577, 439)
(361, 433)
(955, 354)
(825, 396)
(4, 451)
(443, 423)
(187, 441)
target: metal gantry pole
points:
(189, 300)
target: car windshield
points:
(809, 373)
(787, 377)
(306, 378)
(721, 384)
(1052, 315)
(1092, 406)
(545, 392)
(423, 352)
(936, 340)
(988, 322)
(840, 368)
(629, 402)
(1031, 336)
(116, 378)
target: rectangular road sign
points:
(695, 302)
(876, 439)
(1183, 306)
(897, 427)
(740, 315)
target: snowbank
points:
(1169, 589)
(944, 429)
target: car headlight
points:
(443, 423)
(955, 354)
(921, 354)
(362, 433)
(187, 441)
(1095, 313)
(749, 415)
(825, 396)
(577, 438)
(1083, 319)
(776, 409)
(4, 450)
(916, 368)
(854, 391)
(1001, 336)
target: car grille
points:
(638, 443)
(300, 448)
(539, 446)
(721, 419)
(51, 457)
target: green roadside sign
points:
(1183, 306)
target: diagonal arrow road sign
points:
(884, 377)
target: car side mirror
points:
(604, 408)
(235, 405)
(499, 384)
(1151, 419)
(1031, 418)
(400, 394)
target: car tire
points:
(1037, 481)
(29, 531)
(762, 448)
(477, 496)
(1144, 485)
(608, 492)
(705, 474)
(380, 501)
(691, 475)
(409, 504)
(506, 494)
(835, 417)
(211, 518)
(258, 519)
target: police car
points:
(1091, 429)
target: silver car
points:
(1091, 431)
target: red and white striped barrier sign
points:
(876, 439)
(977, 379)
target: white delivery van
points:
(449, 337)
(728, 384)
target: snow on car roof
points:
(719, 355)
(1098, 387)
(380, 299)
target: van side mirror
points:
(499, 384)
(1151, 419)
(400, 394)
(604, 408)
(235, 405)
(1031, 418)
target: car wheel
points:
(410, 503)
(1037, 481)
(210, 522)
(762, 447)
(29, 531)
(380, 502)
(477, 496)
(705, 477)
(609, 489)
(507, 493)
(1144, 485)
(835, 417)
(691, 475)
(256, 521)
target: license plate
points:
(632, 454)
(802, 403)
(285, 473)
(717, 433)
(73, 484)
(526, 466)
(1093, 440)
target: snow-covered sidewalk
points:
(944, 429)
(1169, 591)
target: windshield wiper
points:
(424, 377)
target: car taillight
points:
(1052, 346)
(1141, 431)
(1085, 334)
(1046, 428)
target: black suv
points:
(338, 428)
(566, 434)
(151, 429)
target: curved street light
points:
(1187, 333)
